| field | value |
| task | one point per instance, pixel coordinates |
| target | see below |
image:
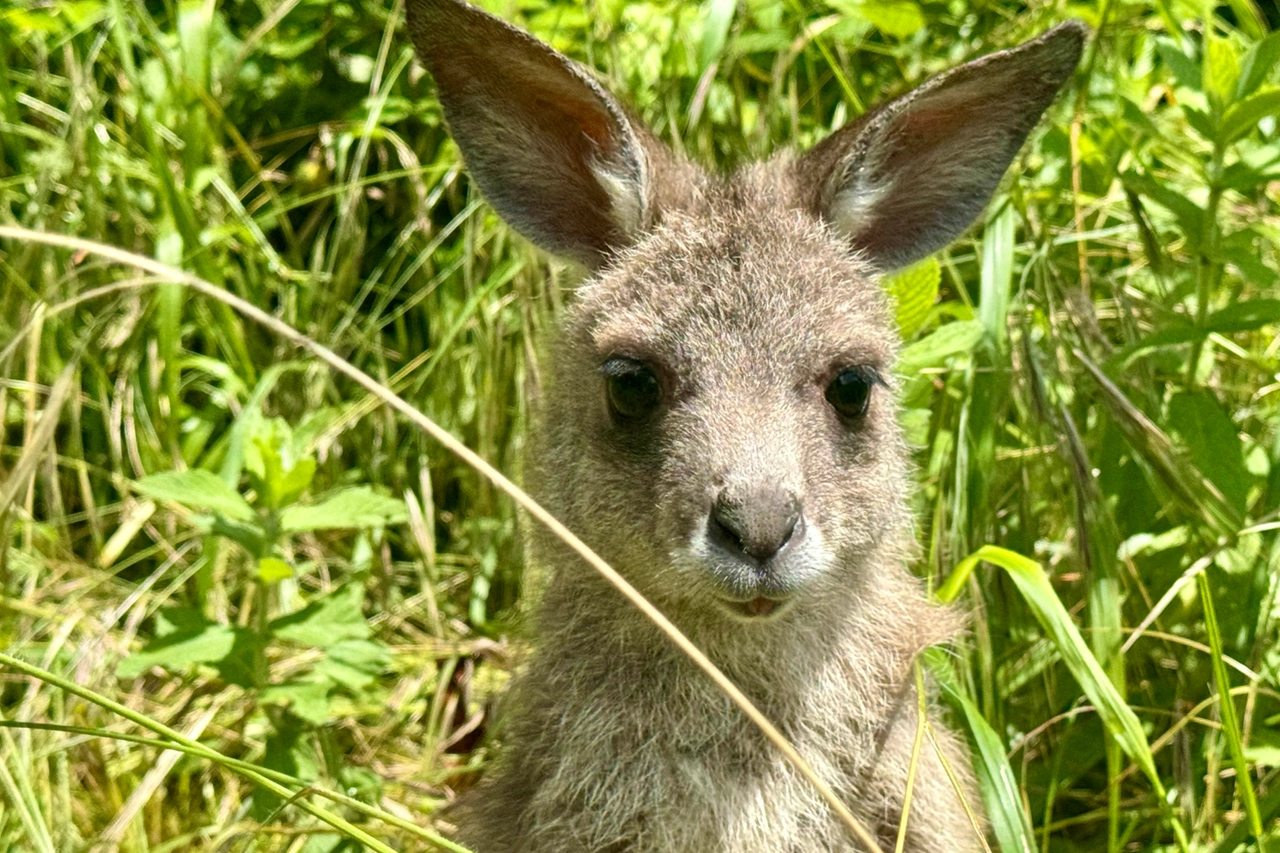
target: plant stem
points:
(1209, 269)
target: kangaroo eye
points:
(632, 387)
(850, 392)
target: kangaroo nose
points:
(757, 524)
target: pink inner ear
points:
(593, 121)
(542, 92)
(561, 104)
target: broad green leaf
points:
(198, 489)
(1237, 317)
(272, 570)
(1213, 441)
(1245, 115)
(290, 749)
(1256, 65)
(896, 18)
(348, 509)
(272, 460)
(184, 638)
(35, 21)
(1195, 493)
(1221, 69)
(996, 277)
(1118, 718)
(326, 622)
(718, 17)
(915, 425)
(999, 786)
(934, 349)
(1245, 316)
(1185, 72)
(211, 644)
(295, 481)
(353, 664)
(246, 534)
(307, 699)
(914, 291)
(1166, 337)
(1190, 216)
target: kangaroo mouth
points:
(756, 608)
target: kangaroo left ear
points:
(911, 176)
(552, 151)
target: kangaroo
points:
(719, 424)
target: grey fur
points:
(746, 294)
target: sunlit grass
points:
(1096, 388)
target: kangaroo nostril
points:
(724, 532)
(757, 528)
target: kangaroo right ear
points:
(551, 150)
(911, 176)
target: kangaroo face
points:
(721, 425)
(729, 382)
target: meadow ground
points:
(209, 539)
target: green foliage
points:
(235, 544)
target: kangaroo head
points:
(721, 425)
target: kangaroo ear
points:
(551, 150)
(912, 175)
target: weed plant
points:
(266, 612)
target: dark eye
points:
(632, 387)
(850, 392)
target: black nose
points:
(756, 524)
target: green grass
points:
(1094, 390)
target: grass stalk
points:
(1227, 713)
(493, 475)
(253, 774)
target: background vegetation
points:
(207, 527)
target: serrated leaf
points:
(1245, 316)
(1221, 69)
(897, 18)
(295, 481)
(306, 699)
(276, 468)
(934, 349)
(1214, 443)
(1185, 72)
(353, 664)
(1245, 115)
(914, 291)
(1190, 217)
(272, 570)
(185, 638)
(210, 644)
(348, 509)
(1256, 65)
(197, 489)
(247, 535)
(330, 620)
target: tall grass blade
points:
(1117, 717)
(1227, 713)
(1005, 811)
